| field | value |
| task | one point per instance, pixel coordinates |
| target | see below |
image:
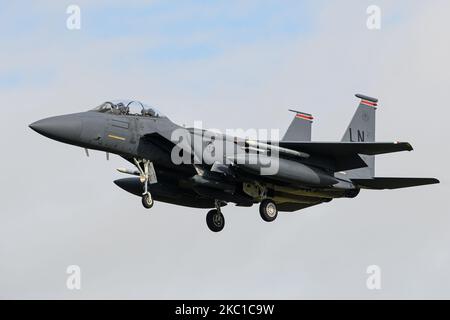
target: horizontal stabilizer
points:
(393, 183)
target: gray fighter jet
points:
(204, 169)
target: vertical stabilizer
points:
(362, 129)
(300, 127)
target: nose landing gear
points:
(147, 200)
(147, 174)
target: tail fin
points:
(300, 127)
(362, 129)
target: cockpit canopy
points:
(128, 107)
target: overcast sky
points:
(231, 64)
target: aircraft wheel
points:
(147, 200)
(215, 220)
(268, 210)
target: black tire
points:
(268, 210)
(215, 220)
(147, 200)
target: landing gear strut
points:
(147, 173)
(215, 219)
(268, 210)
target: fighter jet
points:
(204, 169)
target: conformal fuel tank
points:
(284, 170)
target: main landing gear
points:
(268, 210)
(147, 174)
(215, 219)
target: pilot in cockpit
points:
(128, 108)
(123, 109)
(149, 112)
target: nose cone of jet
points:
(66, 128)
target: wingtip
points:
(407, 145)
(435, 181)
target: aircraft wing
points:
(341, 156)
(338, 156)
(346, 148)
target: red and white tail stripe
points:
(304, 116)
(368, 103)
